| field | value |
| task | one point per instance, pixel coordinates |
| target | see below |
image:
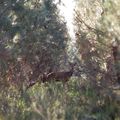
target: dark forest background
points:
(38, 78)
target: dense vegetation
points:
(38, 78)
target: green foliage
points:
(32, 30)
(33, 40)
(56, 101)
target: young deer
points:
(61, 75)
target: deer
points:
(61, 75)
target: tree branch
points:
(79, 19)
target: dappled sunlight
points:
(67, 11)
(59, 60)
